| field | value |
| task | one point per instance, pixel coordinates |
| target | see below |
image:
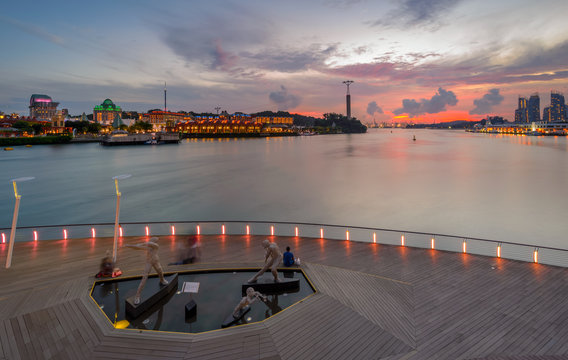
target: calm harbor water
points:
(497, 187)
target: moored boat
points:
(125, 138)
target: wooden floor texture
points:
(372, 302)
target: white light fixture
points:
(15, 218)
(115, 245)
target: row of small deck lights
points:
(118, 232)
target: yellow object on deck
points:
(122, 324)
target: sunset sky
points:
(420, 61)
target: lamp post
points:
(115, 245)
(15, 218)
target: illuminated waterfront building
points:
(161, 120)
(42, 107)
(217, 126)
(534, 108)
(274, 120)
(106, 112)
(557, 107)
(522, 112)
(58, 120)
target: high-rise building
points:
(546, 115)
(106, 112)
(557, 107)
(42, 107)
(534, 108)
(521, 114)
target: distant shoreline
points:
(36, 140)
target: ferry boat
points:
(121, 137)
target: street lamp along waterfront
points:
(15, 218)
(115, 245)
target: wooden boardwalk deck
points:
(373, 302)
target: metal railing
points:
(414, 239)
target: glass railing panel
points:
(286, 229)
(186, 228)
(485, 248)
(416, 240)
(553, 257)
(388, 237)
(332, 233)
(232, 228)
(259, 228)
(209, 228)
(362, 235)
(447, 243)
(308, 230)
(517, 252)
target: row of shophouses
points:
(223, 123)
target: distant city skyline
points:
(411, 60)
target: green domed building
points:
(106, 112)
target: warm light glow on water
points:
(505, 188)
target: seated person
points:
(107, 268)
(288, 257)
